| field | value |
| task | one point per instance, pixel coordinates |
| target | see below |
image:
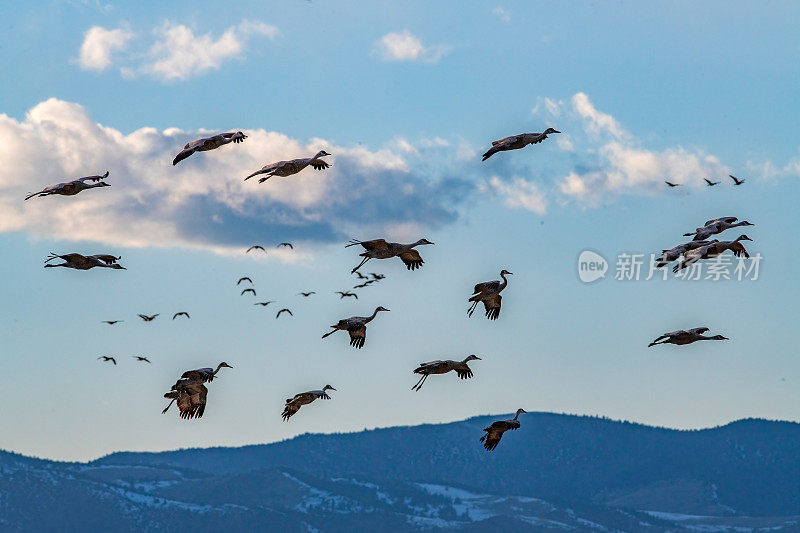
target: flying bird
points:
(712, 250)
(208, 143)
(190, 393)
(377, 277)
(682, 337)
(356, 326)
(380, 249)
(285, 244)
(84, 262)
(148, 318)
(736, 181)
(673, 184)
(515, 142)
(107, 359)
(495, 432)
(112, 322)
(715, 226)
(306, 294)
(182, 313)
(71, 188)
(365, 284)
(443, 367)
(248, 290)
(343, 294)
(141, 359)
(360, 275)
(304, 398)
(711, 183)
(244, 279)
(673, 254)
(489, 293)
(293, 166)
(284, 310)
(264, 304)
(256, 247)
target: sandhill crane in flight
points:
(84, 262)
(712, 250)
(356, 326)
(190, 392)
(711, 183)
(365, 284)
(377, 277)
(682, 337)
(208, 143)
(495, 432)
(141, 359)
(306, 294)
(147, 318)
(256, 247)
(736, 181)
(244, 279)
(304, 398)
(182, 313)
(285, 245)
(293, 166)
(360, 275)
(515, 142)
(670, 184)
(107, 359)
(380, 249)
(673, 254)
(443, 367)
(489, 293)
(715, 226)
(248, 290)
(112, 322)
(344, 294)
(71, 188)
(264, 304)
(284, 310)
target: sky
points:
(406, 97)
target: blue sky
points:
(406, 97)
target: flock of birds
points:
(190, 391)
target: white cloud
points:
(518, 193)
(99, 44)
(597, 123)
(404, 46)
(502, 13)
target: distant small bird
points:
(285, 244)
(284, 310)
(356, 326)
(293, 166)
(360, 275)
(489, 293)
(306, 294)
(107, 358)
(71, 188)
(208, 143)
(711, 183)
(377, 276)
(264, 304)
(141, 359)
(365, 284)
(112, 322)
(256, 247)
(380, 249)
(673, 184)
(682, 337)
(182, 313)
(148, 318)
(343, 294)
(443, 367)
(244, 279)
(736, 181)
(515, 142)
(304, 398)
(248, 290)
(84, 262)
(495, 432)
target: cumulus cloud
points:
(518, 193)
(404, 46)
(502, 13)
(99, 44)
(204, 203)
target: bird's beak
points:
(555, 131)
(510, 273)
(332, 388)
(478, 358)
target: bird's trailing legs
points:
(472, 308)
(419, 384)
(168, 406)
(335, 329)
(360, 265)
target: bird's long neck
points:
(505, 281)
(217, 370)
(516, 415)
(373, 315)
(316, 156)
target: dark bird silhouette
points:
(208, 143)
(673, 254)
(443, 367)
(515, 142)
(112, 322)
(256, 247)
(673, 184)
(182, 313)
(107, 358)
(380, 249)
(343, 294)
(711, 183)
(285, 244)
(356, 326)
(713, 249)
(264, 304)
(495, 432)
(248, 290)
(293, 166)
(365, 284)
(71, 188)
(304, 398)
(306, 294)
(360, 275)
(489, 293)
(148, 318)
(377, 277)
(141, 359)
(190, 393)
(736, 181)
(284, 310)
(84, 262)
(244, 279)
(683, 336)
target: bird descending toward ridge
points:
(248, 290)
(673, 184)
(293, 166)
(84, 262)
(148, 318)
(736, 181)
(711, 183)
(343, 294)
(380, 249)
(141, 359)
(304, 398)
(715, 226)
(306, 294)
(208, 143)
(495, 432)
(107, 359)
(489, 293)
(285, 245)
(112, 322)
(443, 367)
(356, 326)
(256, 247)
(71, 188)
(181, 313)
(515, 142)
(682, 337)
(190, 392)
(284, 310)
(244, 279)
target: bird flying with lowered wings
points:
(515, 142)
(71, 188)
(208, 143)
(291, 167)
(495, 432)
(84, 262)
(380, 249)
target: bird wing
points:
(430, 365)
(107, 259)
(727, 220)
(492, 304)
(463, 371)
(505, 140)
(486, 286)
(375, 244)
(186, 152)
(358, 336)
(319, 164)
(411, 258)
(492, 437)
(739, 250)
(290, 409)
(267, 169)
(698, 331)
